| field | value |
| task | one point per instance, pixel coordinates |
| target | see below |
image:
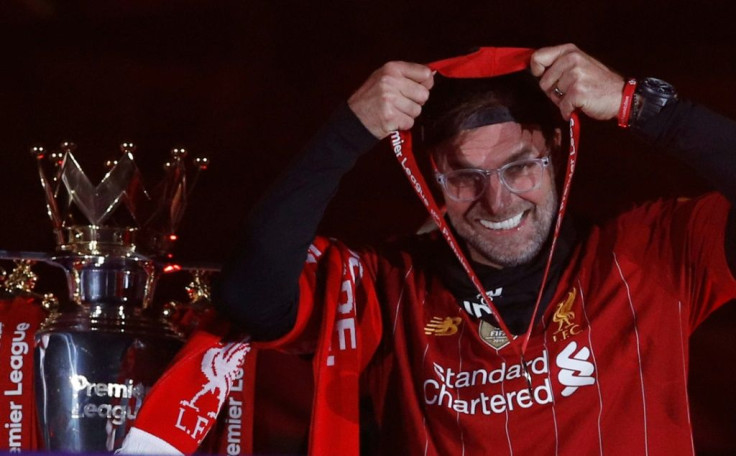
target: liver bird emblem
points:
(219, 366)
(563, 314)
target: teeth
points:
(507, 224)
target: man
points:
(586, 350)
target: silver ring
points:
(558, 92)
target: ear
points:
(557, 139)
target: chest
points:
(611, 345)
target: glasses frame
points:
(442, 177)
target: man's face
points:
(501, 228)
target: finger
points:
(552, 75)
(403, 122)
(573, 93)
(408, 79)
(543, 58)
(423, 77)
(429, 82)
(398, 115)
(417, 93)
(567, 81)
(399, 94)
(408, 106)
(414, 71)
(566, 106)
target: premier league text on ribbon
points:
(18, 349)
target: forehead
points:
(491, 146)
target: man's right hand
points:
(392, 97)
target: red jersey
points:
(608, 360)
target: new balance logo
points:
(442, 327)
(575, 369)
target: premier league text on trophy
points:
(116, 413)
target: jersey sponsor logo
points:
(479, 307)
(502, 389)
(575, 369)
(492, 335)
(459, 390)
(565, 318)
(447, 326)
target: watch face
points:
(659, 86)
(652, 95)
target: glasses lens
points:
(518, 177)
(522, 176)
(465, 184)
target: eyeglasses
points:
(470, 183)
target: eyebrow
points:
(526, 151)
(523, 153)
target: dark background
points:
(247, 82)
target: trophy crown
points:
(118, 215)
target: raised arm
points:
(699, 137)
(693, 134)
(259, 289)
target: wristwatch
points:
(650, 96)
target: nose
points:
(496, 196)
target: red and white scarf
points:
(182, 406)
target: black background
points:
(247, 82)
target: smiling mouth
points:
(508, 224)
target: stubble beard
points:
(511, 250)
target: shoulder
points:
(665, 225)
(653, 214)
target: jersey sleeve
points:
(682, 243)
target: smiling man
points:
(501, 196)
(475, 339)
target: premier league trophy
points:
(96, 358)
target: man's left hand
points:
(574, 80)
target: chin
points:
(504, 254)
(509, 261)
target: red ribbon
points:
(486, 62)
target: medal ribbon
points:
(487, 62)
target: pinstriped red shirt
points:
(608, 360)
